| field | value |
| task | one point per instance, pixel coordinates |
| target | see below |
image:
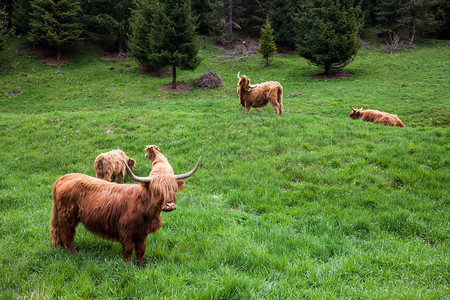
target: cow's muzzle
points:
(169, 207)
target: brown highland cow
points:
(260, 95)
(376, 116)
(123, 212)
(109, 165)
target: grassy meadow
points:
(307, 205)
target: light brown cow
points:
(260, 95)
(160, 164)
(376, 116)
(109, 165)
(123, 212)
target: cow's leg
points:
(127, 246)
(120, 177)
(68, 235)
(140, 250)
(247, 108)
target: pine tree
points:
(281, 15)
(3, 27)
(267, 45)
(224, 17)
(20, 17)
(142, 26)
(55, 23)
(329, 33)
(174, 41)
(108, 21)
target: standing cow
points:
(260, 95)
(110, 165)
(123, 212)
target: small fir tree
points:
(328, 33)
(174, 41)
(55, 23)
(267, 45)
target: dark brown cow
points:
(123, 212)
(260, 95)
(376, 116)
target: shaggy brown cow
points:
(260, 95)
(123, 212)
(376, 116)
(109, 165)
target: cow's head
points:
(151, 151)
(355, 113)
(164, 188)
(244, 82)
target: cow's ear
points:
(180, 184)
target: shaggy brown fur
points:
(376, 116)
(123, 212)
(160, 164)
(109, 165)
(260, 95)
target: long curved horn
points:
(362, 107)
(352, 108)
(186, 175)
(238, 75)
(134, 177)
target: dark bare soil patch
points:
(49, 56)
(237, 50)
(181, 88)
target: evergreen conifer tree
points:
(108, 21)
(3, 28)
(20, 17)
(55, 23)
(267, 45)
(281, 15)
(329, 33)
(142, 25)
(174, 40)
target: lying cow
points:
(123, 212)
(376, 116)
(109, 165)
(260, 95)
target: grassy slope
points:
(310, 204)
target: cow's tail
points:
(280, 99)
(55, 234)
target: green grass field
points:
(308, 205)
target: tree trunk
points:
(58, 52)
(174, 77)
(120, 49)
(328, 68)
(230, 17)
